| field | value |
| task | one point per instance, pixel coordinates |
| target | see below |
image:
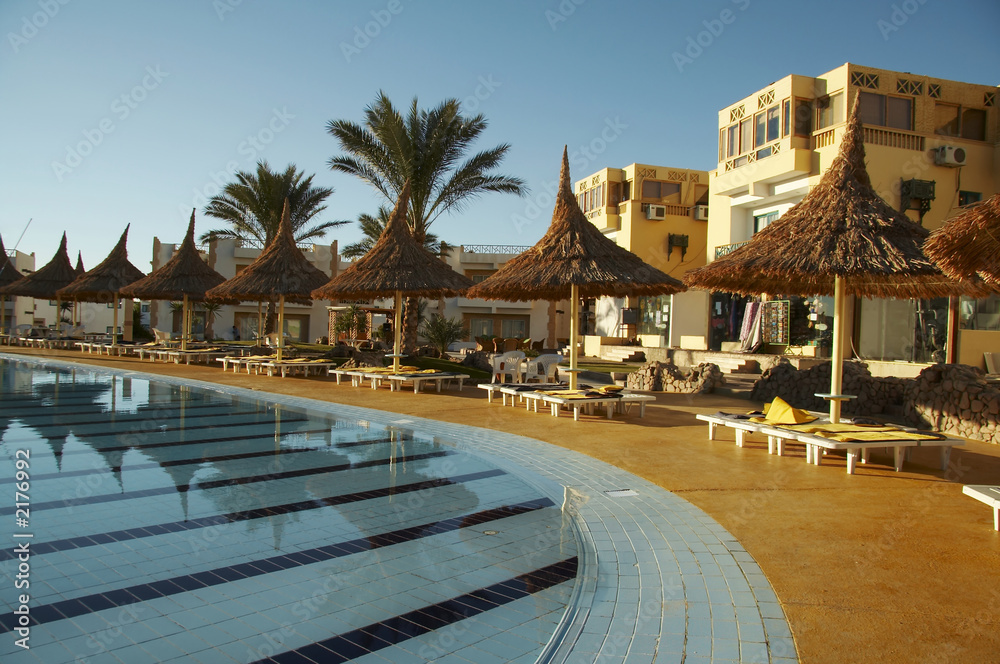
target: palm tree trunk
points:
(411, 316)
(271, 319)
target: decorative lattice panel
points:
(863, 80)
(737, 113)
(915, 88)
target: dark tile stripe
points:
(198, 486)
(177, 462)
(139, 532)
(57, 410)
(71, 608)
(377, 636)
(103, 418)
(58, 435)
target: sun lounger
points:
(420, 378)
(857, 441)
(204, 355)
(585, 399)
(986, 494)
(298, 365)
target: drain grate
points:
(621, 493)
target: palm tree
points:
(428, 148)
(372, 227)
(252, 207)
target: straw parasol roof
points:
(574, 251)
(104, 281)
(184, 274)
(8, 273)
(842, 228)
(968, 245)
(79, 269)
(44, 282)
(397, 263)
(280, 271)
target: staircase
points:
(729, 364)
(623, 354)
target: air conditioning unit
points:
(701, 213)
(949, 155)
(656, 212)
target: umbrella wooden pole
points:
(260, 321)
(837, 361)
(185, 328)
(114, 324)
(574, 315)
(281, 326)
(3, 315)
(397, 331)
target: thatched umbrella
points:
(574, 258)
(841, 239)
(8, 275)
(280, 270)
(44, 282)
(103, 283)
(967, 246)
(184, 277)
(397, 265)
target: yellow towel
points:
(868, 436)
(780, 411)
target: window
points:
(974, 124)
(759, 134)
(627, 190)
(786, 117)
(760, 221)
(953, 120)
(477, 276)
(969, 197)
(803, 117)
(773, 124)
(592, 198)
(731, 140)
(829, 110)
(481, 327)
(615, 193)
(886, 111)
(144, 308)
(658, 191)
(513, 328)
(746, 136)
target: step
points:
(623, 354)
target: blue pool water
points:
(169, 523)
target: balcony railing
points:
(894, 139)
(822, 139)
(727, 249)
(495, 248)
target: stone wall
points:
(950, 398)
(658, 376)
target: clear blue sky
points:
(165, 96)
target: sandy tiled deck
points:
(878, 566)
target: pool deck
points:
(877, 566)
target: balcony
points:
(726, 249)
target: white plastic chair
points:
(507, 364)
(543, 368)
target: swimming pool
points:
(656, 578)
(164, 522)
